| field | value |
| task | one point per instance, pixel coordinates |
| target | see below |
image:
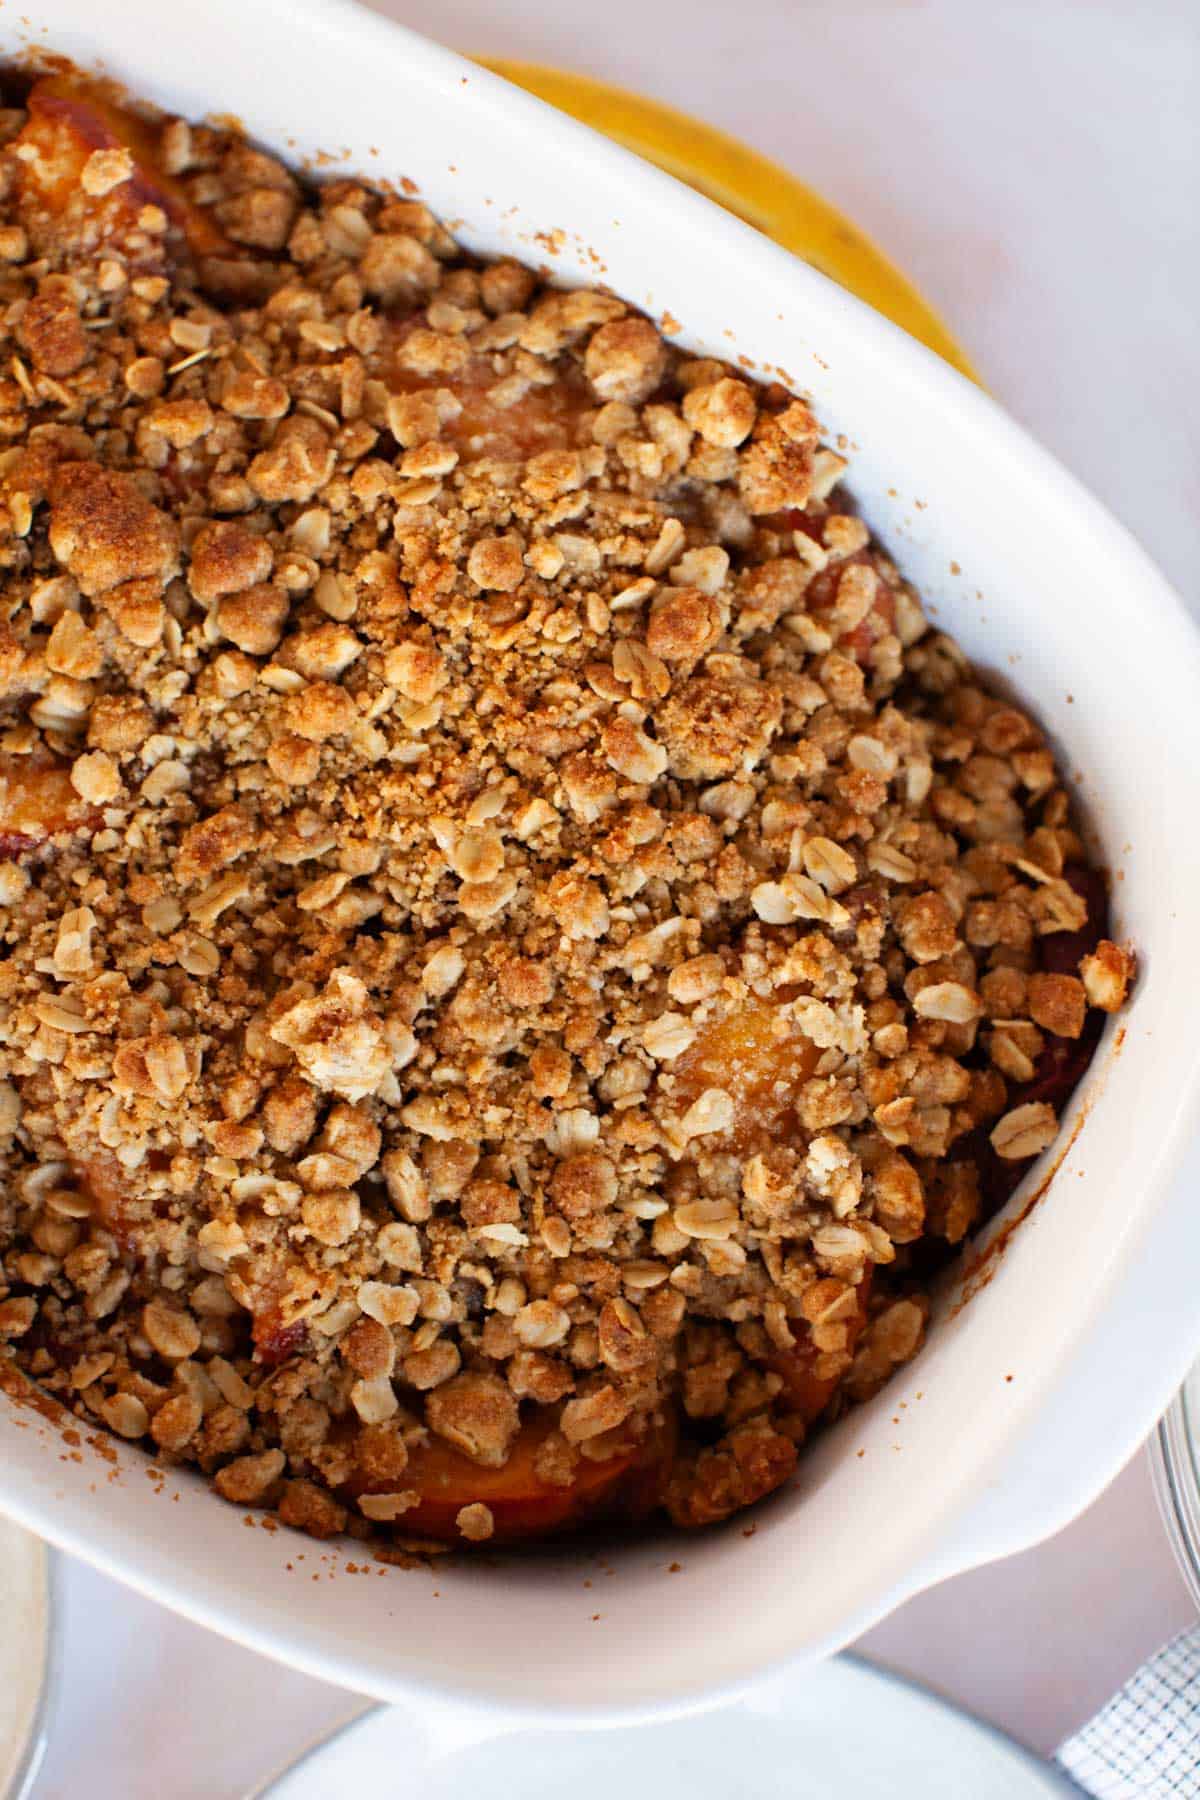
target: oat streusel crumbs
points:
(520, 942)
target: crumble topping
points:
(520, 941)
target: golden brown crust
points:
(104, 531)
(524, 904)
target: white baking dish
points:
(1028, 1398)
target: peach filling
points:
(67, 122)
(37, 802)
(508, 423)
(625, 1484)
(761, 1061)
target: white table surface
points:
(1036, 168)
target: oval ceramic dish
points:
(1077, 1326)
(749, 185)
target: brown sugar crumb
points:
(1057, 1003)
(476, 1523)
(496, 563)
(1107, 974)
(104, 531)
(750, 1462)
(247, 1479)
(477, 1414)
(523, 948)
(225, 558)
(309, 1508)
(51, 332)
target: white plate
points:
(26, 1642)
(843, 1730)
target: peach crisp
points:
(523, 948)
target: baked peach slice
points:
(67, 121)
(105, 1185)
(879, 622)
(281, 1301)
(37, 804)
(758, 1057)
(541, 418)
(624, 1487)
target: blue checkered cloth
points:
(1145, 1744)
